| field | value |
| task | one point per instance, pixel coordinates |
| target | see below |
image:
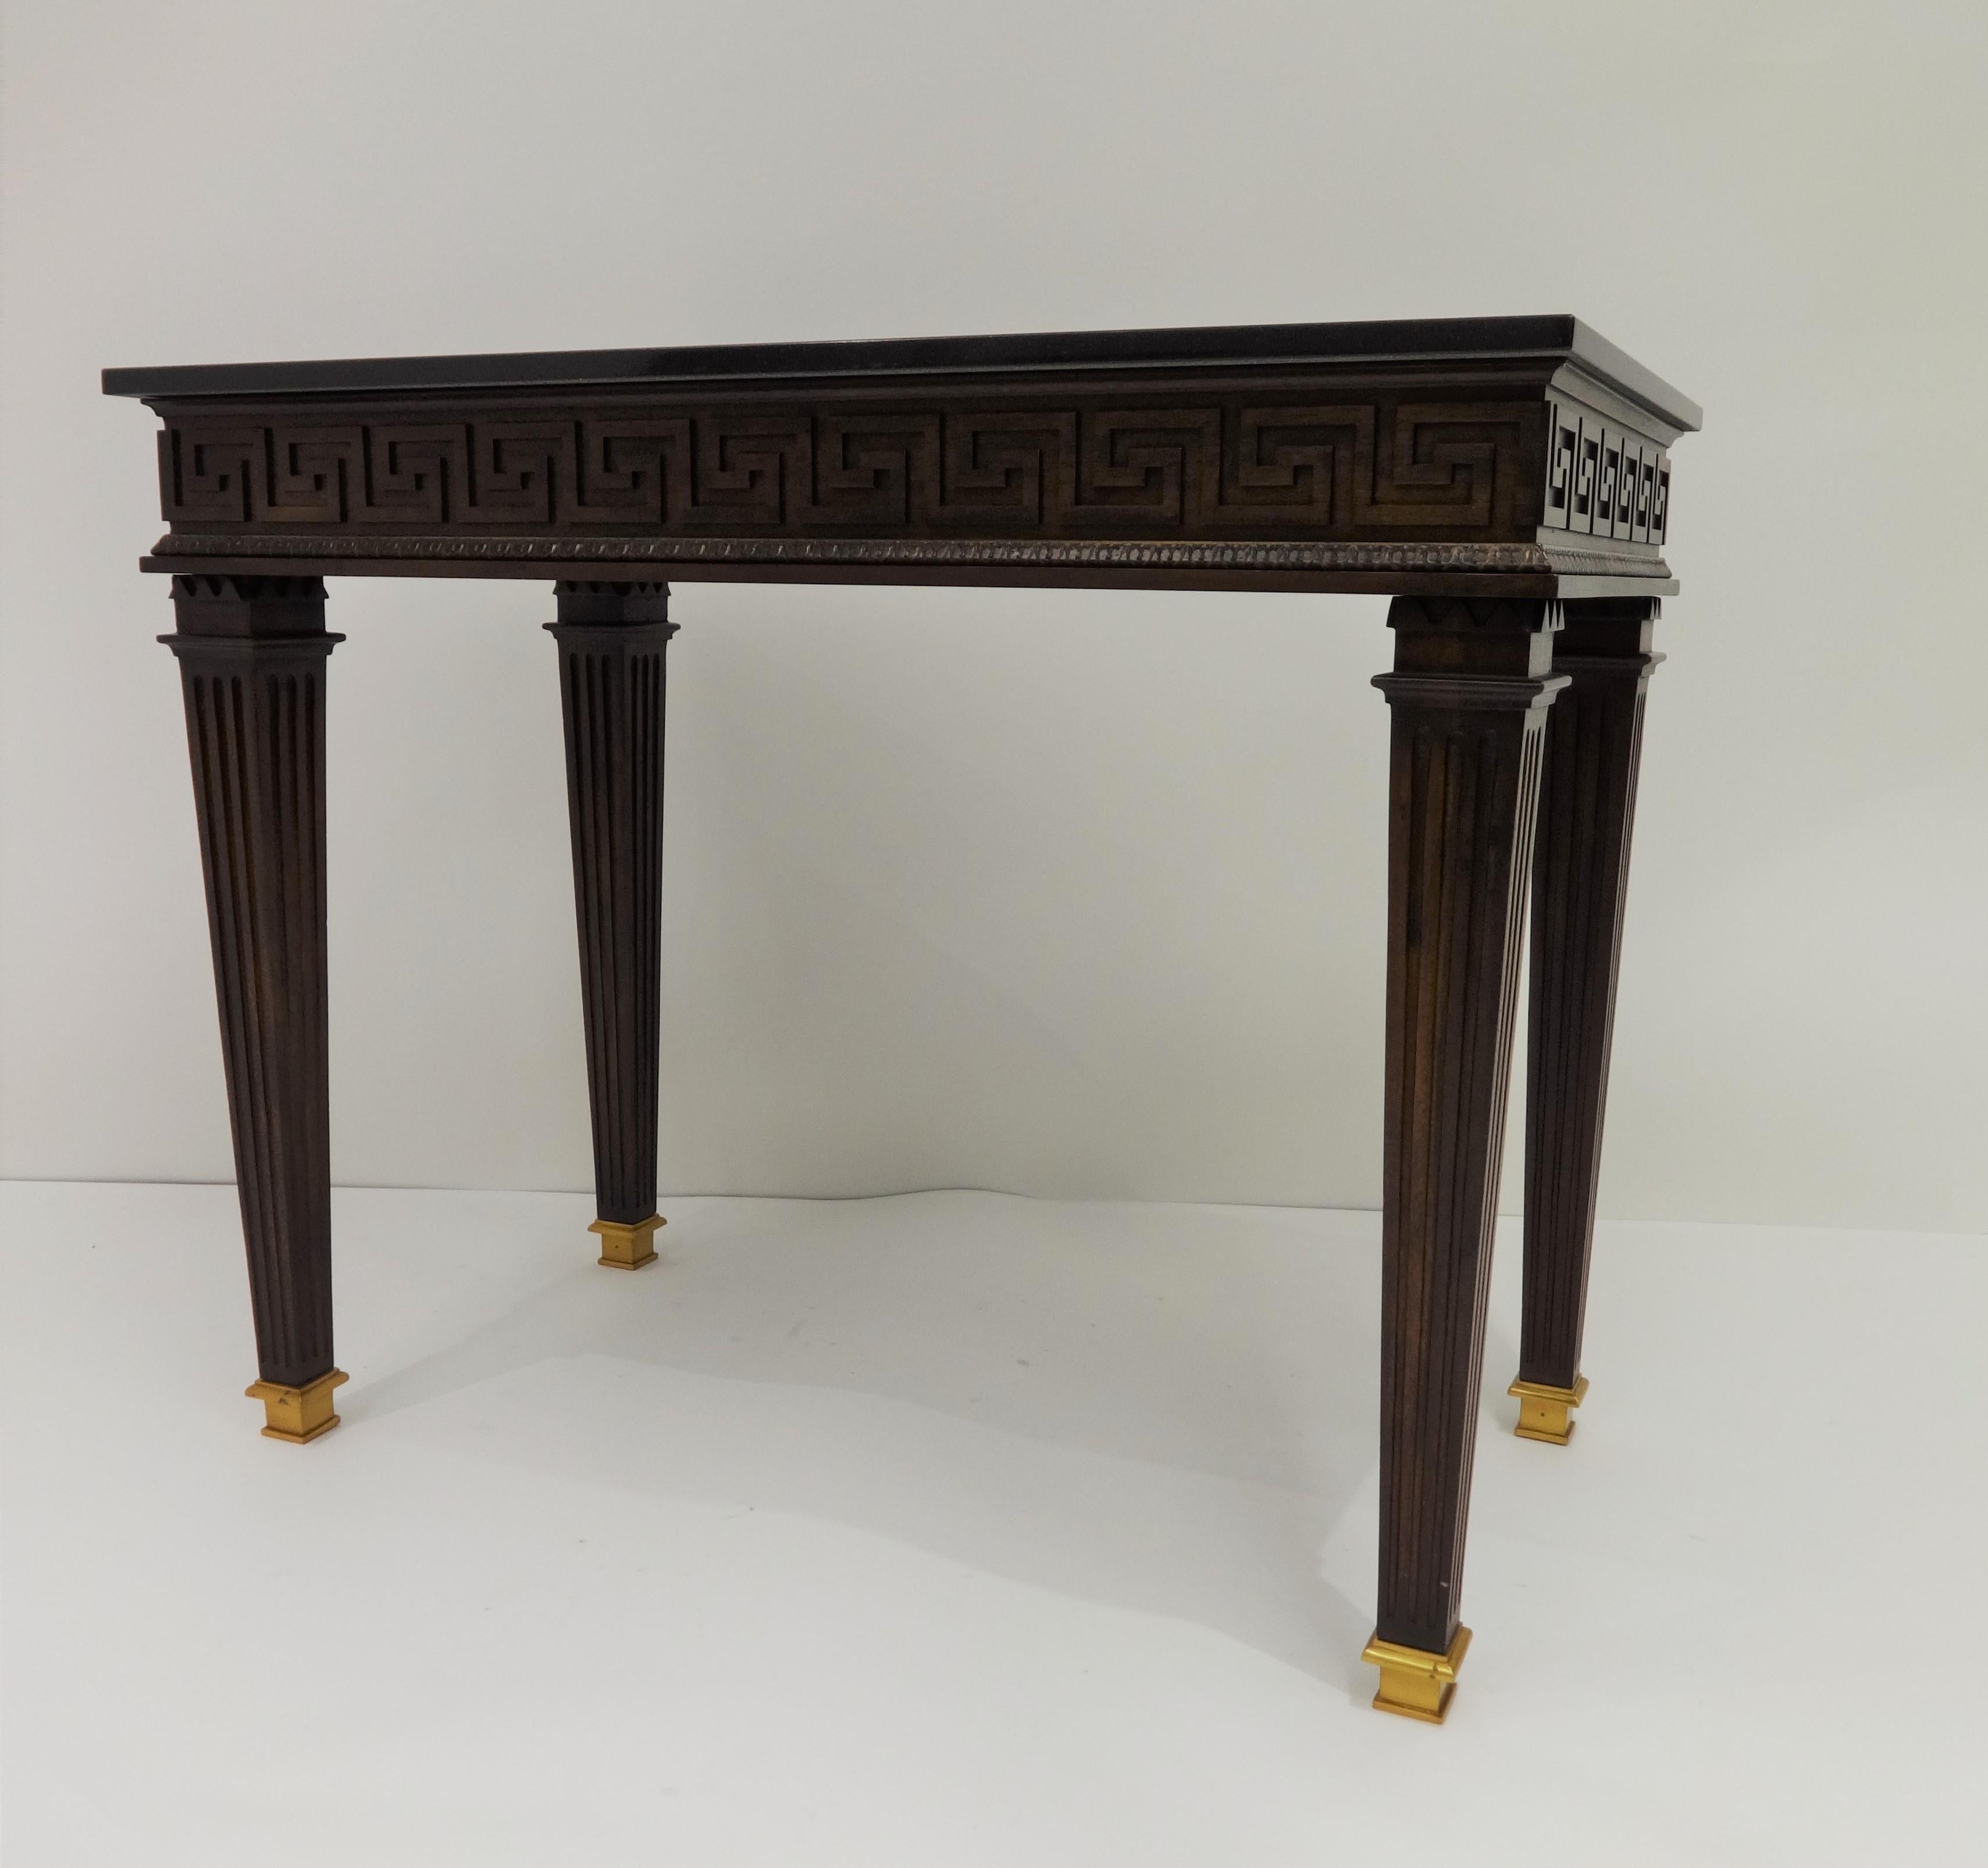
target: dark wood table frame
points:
(1507, 481)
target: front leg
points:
(1580, 873)
(251, 654)
(612, 639)
(1468, 699)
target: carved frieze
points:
(1603, 480)
(1207, 468)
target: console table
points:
(1505, 480)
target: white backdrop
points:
(1060, 893)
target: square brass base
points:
(1546, 1413)
(628, 1248)
(298, 1414)
(1415, 1683)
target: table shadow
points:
(1170, 1410)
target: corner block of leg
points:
(1415, 1683)
(1546, 1413)
(298, 1414)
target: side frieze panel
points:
(1220, 468)
(1603, 480)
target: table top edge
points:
(1548, 339)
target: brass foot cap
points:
(298, 1414)
(628, 1248)
(1414, 1682)
(1546, 1413)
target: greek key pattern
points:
(1211, 470)
(1602, 480)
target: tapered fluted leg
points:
(612, 639)
(251, 654)
(1468, 698)
(1588, 808)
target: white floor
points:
(958, 1530)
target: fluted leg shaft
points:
(612, 641)
(1469, 700)
(251, 654)
(1587, 806)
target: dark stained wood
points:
(251, 654)
(1587, 809)
(1434, 456)
(1468, 699)
(613, 640)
